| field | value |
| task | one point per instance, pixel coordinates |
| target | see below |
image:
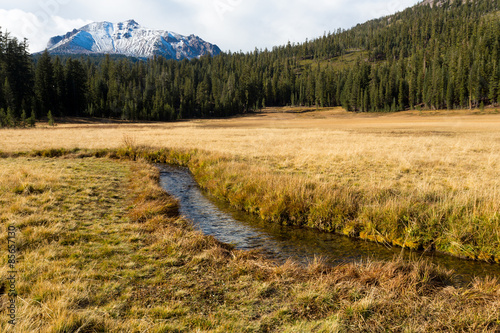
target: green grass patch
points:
(345, 61)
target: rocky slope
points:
(131, 39)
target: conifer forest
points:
(446, 56)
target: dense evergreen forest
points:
(441, 57)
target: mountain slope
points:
(130, 39)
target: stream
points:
(246, 231)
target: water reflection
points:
(246, 231)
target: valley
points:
(151, 182)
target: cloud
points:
(231, 24)
(248, 24)
(38, 27)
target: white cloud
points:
(246, 24)
(231, 24)
(37, 28)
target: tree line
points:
(441, 57)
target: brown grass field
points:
(428, 178)
(101, 248)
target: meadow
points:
(427, 180)
(101, 247)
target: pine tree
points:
(8, 94)
(493, 84)
(23, 118)
(50, 118)
(450, 95)
(32, 119)
(59, 87)
(10, 119)
(44, 84)
(3, 118)
(76, 87)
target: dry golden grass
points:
(101, 249)
(446, 163)
(456, 150)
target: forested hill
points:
(446, 56)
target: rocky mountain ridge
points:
(129, 38)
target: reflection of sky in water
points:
(246, 231)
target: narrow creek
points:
(280, 243)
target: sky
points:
(234, 25)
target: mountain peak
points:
(131, 39)
(132, 22)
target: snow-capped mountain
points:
(130, 39)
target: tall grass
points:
(102, 249)
(414, 179)
(463, 224)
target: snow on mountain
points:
(130, 39)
